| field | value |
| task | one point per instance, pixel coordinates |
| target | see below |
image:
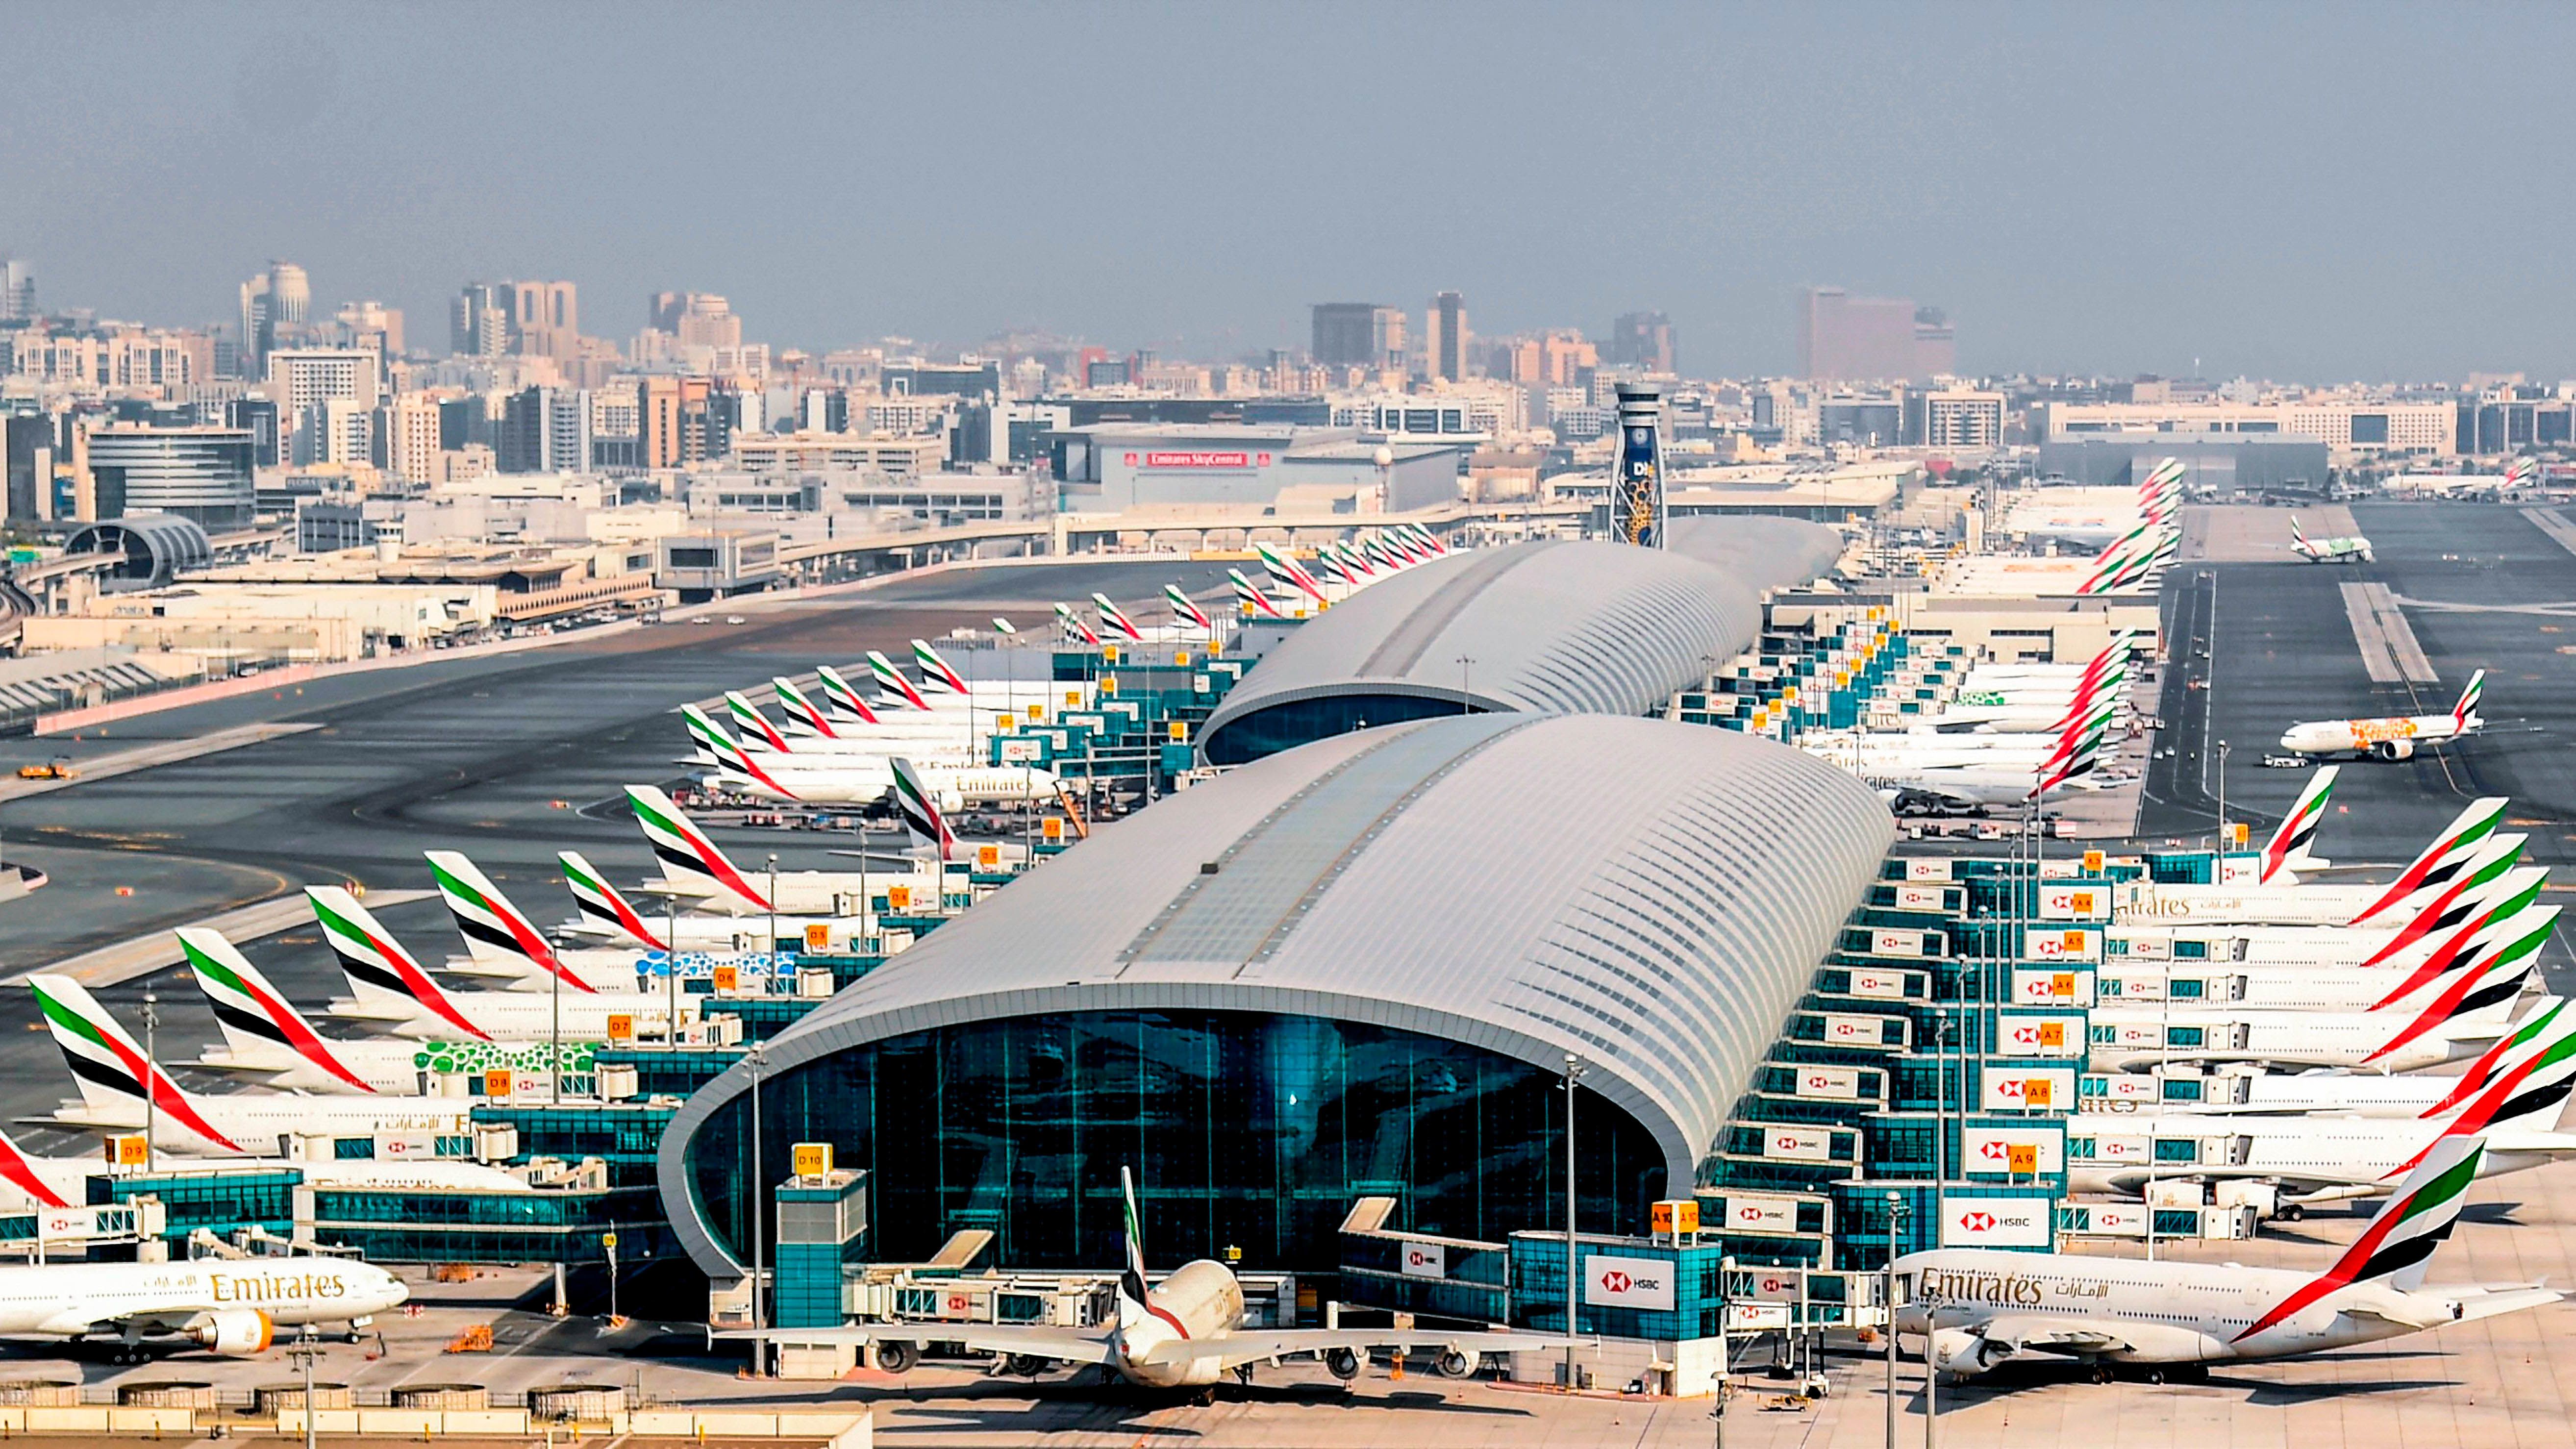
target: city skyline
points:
(2272, 197)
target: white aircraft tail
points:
(2464, 715)
(383, 976)
(2398, 1245)
(691, 863)
(602, 905)
(258, 1022)
(110, 1068)
(497, 934)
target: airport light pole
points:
(1887, 1301)
(151, 1056)
(1573, 1074)
(758, 1057)
(771, 950)
(1465, 663)
(671, 972)
(554, 1033)
(2223, 842)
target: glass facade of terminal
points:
(1285, 726)
(1247, 1131)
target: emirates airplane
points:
(2397, 737)
(1981, 1307)
(1184, 1332)
(231, 1307)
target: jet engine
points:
(1963, 1352)
(1454, 1364)
(1342, 1364)
(234, 1332)
(2394, 749)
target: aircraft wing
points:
(2476, 1303)
(1254, 1346)
(1035, 1340)
(2030, 1333)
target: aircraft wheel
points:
(2101, 1373)
(2291, 1212)
(2155, 1376)
(1025, 1365)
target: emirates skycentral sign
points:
(1198, 459)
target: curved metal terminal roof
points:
(1551, 627)
(1651, 896)
(156, 546)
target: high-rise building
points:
(202, 474)
(273, 304)
(1642, 340)
(536, 319)
(409, 438)
(657, 422)
(545, 430)
(1358, 334)
(300, 380)
(1843, 338)
(1446, 345)
(17, 291)
(371, 326)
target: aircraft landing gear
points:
(2101, 1373)
(1243, 1374)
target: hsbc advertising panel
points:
(2026, 1089)
(1830, 1084)
(1843, 1030)
(1896, 943)
(2087, 902)
(2079, 943)
(1426, 1260)
(2041, 1036)
(1799, 1144)
(2043, 986)
(1923, 898)
(1998, 1222)
(1753, 1213)
(1628, 1283)
(2014, 1151)
(1877, 984)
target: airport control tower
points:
(1637, 479)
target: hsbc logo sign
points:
(1628, 1283)
(1426, 1260)
(1999, 1222)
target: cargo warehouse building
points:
(1357, 967)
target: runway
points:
(492, 757)
(2480, 586)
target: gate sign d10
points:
(813, 1159)
(1628, 1282)
(1997, 1222)
(1426, 1260)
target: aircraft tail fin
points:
(1135, 1305)
(21, 1172)
(801, 708)
(108, 1064)
(2464, 715)
(2398, 1245)
(1184, 610)
(920, 809)
(2508, 1050)
(600, 902)
(891, 681)
(2288, 847)
(1250, 596)
(258, 1021)
(838, 691)
(496, 932)
(379, 971)
(690, 860)
(936, 671)
(2446, 857)
(1071, 624)
(1115, 617)
(756, 727)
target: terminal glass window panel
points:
(1245, 1130)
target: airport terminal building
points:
(1357, 964)
(1346, 970)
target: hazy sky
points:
(2336, 192)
